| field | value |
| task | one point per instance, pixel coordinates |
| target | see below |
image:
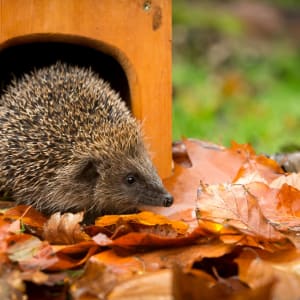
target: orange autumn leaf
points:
(248, 152)
(146, 218)
(139, 241)
(27, 214)
(288, 202)
(123, 266)
(72, 256)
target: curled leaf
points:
(64, 229)
(144, 221)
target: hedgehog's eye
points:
(130, 179)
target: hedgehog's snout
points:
(168, 200)
(156, 198)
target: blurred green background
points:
(236, 72)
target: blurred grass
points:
(231, 86)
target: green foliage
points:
(252, 95)
(285, 3)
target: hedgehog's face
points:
(121, 184)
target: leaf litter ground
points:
(232, 233)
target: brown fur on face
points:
(69, 143)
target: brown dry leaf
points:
(199, 285)
(64, 229)
(95, 283)
(286, 260)
(189, 285)
(140, 263)
(180, 155)
(196, 285)
(263, 292)
(184, 256)
(156, 285)
(266, 168)
(163, 284)
(233, 205)
(281, 207)
(257, 272)
(254, 209)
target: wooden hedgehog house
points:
(127, 42)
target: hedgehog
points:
(68, 143)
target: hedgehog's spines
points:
(53, 120)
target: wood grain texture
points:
(137, 33)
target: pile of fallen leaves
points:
(232, 233)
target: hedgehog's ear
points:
(87, 172)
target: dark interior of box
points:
(20, 59)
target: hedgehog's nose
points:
(168, 201)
